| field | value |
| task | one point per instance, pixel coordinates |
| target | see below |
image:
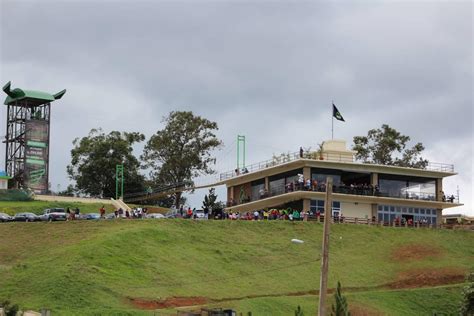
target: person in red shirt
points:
(102, 211)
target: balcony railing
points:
(285, 158)
(361, 191)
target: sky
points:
(268, 70)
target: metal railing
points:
(285, 158)
(361, 191)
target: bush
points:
(10, 310)
(467, 304)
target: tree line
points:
(181, 151)
(178, 153)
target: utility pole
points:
(325, 262)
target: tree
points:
(381, 146)
(467, 304)
(181, 151)
(68, 192)
(94, 159)
(210, 203)
(341, 308)
(299, 311)
(10, 310)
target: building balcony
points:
(368, 194)
(324, 157)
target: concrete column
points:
(307, 173)
(374, 211)
(267, 184)
(231, 194)
(439, 217)
(439, 189)
(374, 178)
(306, 205)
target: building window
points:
(318, 205)
(388, 213)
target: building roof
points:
(38, 97)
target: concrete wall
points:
(359, 210)
(3, 184)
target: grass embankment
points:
(100, 267)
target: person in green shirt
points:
(296, 215)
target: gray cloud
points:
(268, 70)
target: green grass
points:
(37, 207)
(93, 267)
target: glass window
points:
(392, 209)
(422, 211)
(380, 207)
(258, 191)
(380, 217)
(392, 218)
(417, 211)
(385, 208)
(410, 210)
(386, 218)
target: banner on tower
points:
(36, 155)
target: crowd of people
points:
(273, 214)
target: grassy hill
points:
(134, 267)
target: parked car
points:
(92, 216)
(200, 214)
(5, 218)
(110, 216)
(155, 215)
(26, 217)
(53, 214)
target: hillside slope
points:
(131, 266)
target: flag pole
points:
(332, 120)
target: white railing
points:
(285, 158)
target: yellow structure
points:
(361, 190)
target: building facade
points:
(360, 190)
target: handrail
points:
(364, 191)
(285, 158)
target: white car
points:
(200, 214)
(155, 216)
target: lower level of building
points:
(387, 213)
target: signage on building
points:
(36, 154)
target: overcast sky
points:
(265, 69)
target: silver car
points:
(5, 218)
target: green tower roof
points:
(37, 97)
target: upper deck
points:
(334, 160)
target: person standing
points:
(102, 211)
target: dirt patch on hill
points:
(168, 302)
(358, 310)
(429, 277)
(415, 252)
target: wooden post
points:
(325, 262)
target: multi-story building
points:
(360, 190)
